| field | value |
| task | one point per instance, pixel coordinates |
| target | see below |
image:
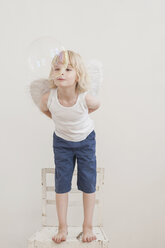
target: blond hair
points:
(75, 60)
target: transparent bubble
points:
(40, 53)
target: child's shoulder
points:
(90, 97)
(91, 100)
(45, 96)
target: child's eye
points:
(57, 69)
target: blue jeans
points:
(65, 155)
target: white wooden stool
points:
(43, 237)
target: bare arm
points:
(91, 110)
(43, 106)
(92, 102)
(47, 113)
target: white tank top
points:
(71, 123)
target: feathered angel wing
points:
(37, 89)
(95, 72)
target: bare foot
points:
(88, 235)
(61, 235)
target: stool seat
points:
(43, 238)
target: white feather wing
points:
(37, 89)
(95, 72)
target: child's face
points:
(64, 77)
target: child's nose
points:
(62, 71)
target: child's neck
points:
(67, 94)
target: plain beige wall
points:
(128, 37)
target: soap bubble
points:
(40, 53)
